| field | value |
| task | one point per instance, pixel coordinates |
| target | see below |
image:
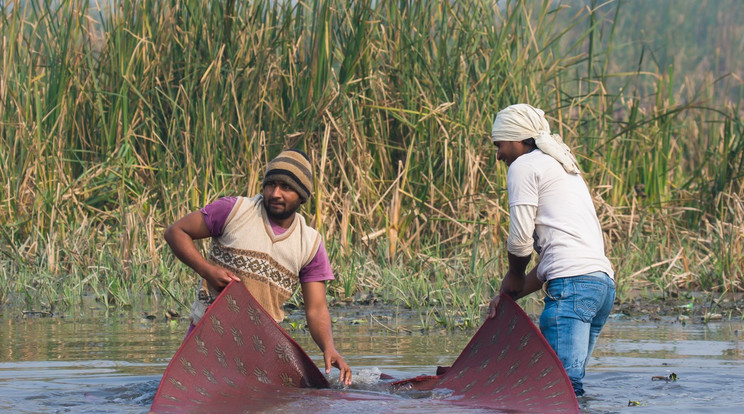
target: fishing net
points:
(238, 359)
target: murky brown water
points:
(114, 364)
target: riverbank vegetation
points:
(116, 121)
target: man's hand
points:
(333, 358)
(218, 277)
(512, 285)
(517, 286)
(493, 305)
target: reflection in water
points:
(114, 365)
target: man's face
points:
(280, 200)
(508, 151)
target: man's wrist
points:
(203, 269)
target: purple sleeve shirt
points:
(215, 215)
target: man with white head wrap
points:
(551, 211)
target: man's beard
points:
(277, 215)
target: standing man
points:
(263, 242)
(551, 211)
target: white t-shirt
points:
(557, 205)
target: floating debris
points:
(713, 317)
(32, 313)
(670, 377)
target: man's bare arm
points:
(319, 323)
(180, 237)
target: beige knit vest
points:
(269, 265)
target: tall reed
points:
(116, 121)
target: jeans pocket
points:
(554, 291)
(589, 298)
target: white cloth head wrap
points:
(521, 121)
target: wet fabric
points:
(507, 366)
(237, 359)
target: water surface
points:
(113, 364)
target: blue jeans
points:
(576, 309)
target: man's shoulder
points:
(256, 199)
(242, 209)
(534, 162)
(233, 200)
(304, 226)
(535, 156)
(250, 203)
(526, 165)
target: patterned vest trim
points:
(268, 264)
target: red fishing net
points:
(237, 359)
(507, 365)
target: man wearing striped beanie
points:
(264, 243)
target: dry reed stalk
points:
(393, 227)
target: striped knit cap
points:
(293, 168)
